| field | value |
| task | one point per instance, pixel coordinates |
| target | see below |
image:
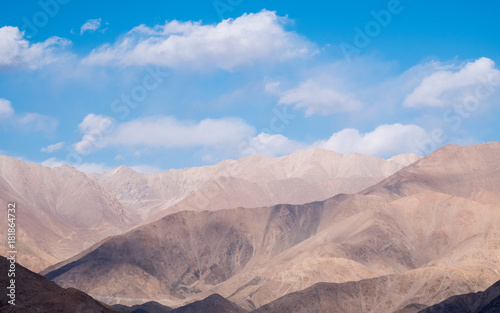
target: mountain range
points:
(64, 211)
(418, 237)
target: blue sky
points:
(164, 84)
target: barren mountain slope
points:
(394, 293)
(59, 211)
(304, 176)
(487, 301)
(254, 256)
(34, 293)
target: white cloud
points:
(53, 162)
(271, 145)
(231, 44)
(94, 128)
(317, 98)
(84, 167)
(34, 122)
(26, 122)
(15, 51)
(146, 169)
(6, 109)
(54, 147)
(90, 25)
(384, 141)
(161, 131)
(448, 87)
(99, 167)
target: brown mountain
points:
(34, 293)
(487, 301)
(304, 176)
(431, 230)
(63, 211)
(148, 307)
(212, 304)
(60, 211)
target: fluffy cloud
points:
(90, 25)
(83, 167)
(456, 85)
(231, 44)
(27, 122)
(94, 128)
(6, 109)
(15, 51)
(100, 167)
(316, 98)
(384, 141)
(52, 148)
(161, 132)
(271, 145)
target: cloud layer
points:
(448, 87)
(15, 51)
(231, 44)
(161, 132)
(317, 99)
(90, 25)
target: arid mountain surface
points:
(429, 232)
(487, 301)
(63, 211)
(36, 294)
(59, 212)
(304, 176)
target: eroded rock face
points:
(425, 234)
(61, 211)
(34, 293)
(487, 301)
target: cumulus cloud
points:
(54, 147)
(271, 145)
(316, 98)
(146, 169)
(26, 122)
(455, 85)
(90, 25)
(161, 132)
(83, 167)
(6, 109)
(94, 128)
(384, 141)
(231, 44)
(100, 167)
(15, 51)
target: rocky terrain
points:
(63, 211)
(35, 294)
(425, 234)
(304, 176)
(59, 212)
(487, 301)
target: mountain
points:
(148, 307)
(487, 301)
(430, 230)
(60, 211)
(34, 293)
(304, 176)
(212, 304)
(399, 293)
(65, 211)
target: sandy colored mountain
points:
(304, 176)
(63, 211)
(428, 232)
(34, 293)
(59, 212)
